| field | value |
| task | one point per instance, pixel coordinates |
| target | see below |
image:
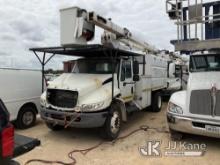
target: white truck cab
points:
(100, 93)
(196, 110)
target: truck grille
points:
(201, 102)
(62, 98)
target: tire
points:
(156, 103)
(112, 126)
(175, 135)
(54, 127)
(26, 117)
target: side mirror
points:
(136, 78)
(171, 70)
(135, 67)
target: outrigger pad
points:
(24, 144)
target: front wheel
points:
(26, 117)
(112, 126)
(156, 104)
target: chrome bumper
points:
(191, 125)
(73, 119)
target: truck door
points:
(126, 81)
(175, 77)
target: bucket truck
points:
(109, 80)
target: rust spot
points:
(98, 82)
(107, 92)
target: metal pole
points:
(43, 64)
(196, 20)
(189, 23)
(178, 21)
(113, 79)
(181, 20)
(202, 37)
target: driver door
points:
(126, 80)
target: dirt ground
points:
(56, 145)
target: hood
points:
(83, 83)
(204, 80)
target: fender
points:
(122, 108)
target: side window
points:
(123, 71)
(126, 71)
(178, 71)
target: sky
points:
(35, 23)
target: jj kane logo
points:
(177, 149)
(152, 148)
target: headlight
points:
(173, 108)
(43, 102)
(92, 107)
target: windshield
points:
(94, 66)
(202, 63)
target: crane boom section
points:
(83, 30)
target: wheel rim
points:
(115, 122)
(159, 102)
(27, 118)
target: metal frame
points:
(43, 63)
(186, 40)
(88, 51)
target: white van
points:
(20, 90)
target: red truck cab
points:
(11, 144)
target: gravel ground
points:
(57, 145)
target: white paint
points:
(18, 87)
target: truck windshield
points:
(203, 63)
(94, 66)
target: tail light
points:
(8, 141)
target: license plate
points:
(212, 129)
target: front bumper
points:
(73, 119)
(191, 125)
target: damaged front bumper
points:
(74, 119)
(193, 125)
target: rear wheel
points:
(156, 103)
(26, 117)
(112, 126)
(54, 127)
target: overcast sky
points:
(35, 23)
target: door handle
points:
(125, 83)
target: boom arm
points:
(82, 24)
